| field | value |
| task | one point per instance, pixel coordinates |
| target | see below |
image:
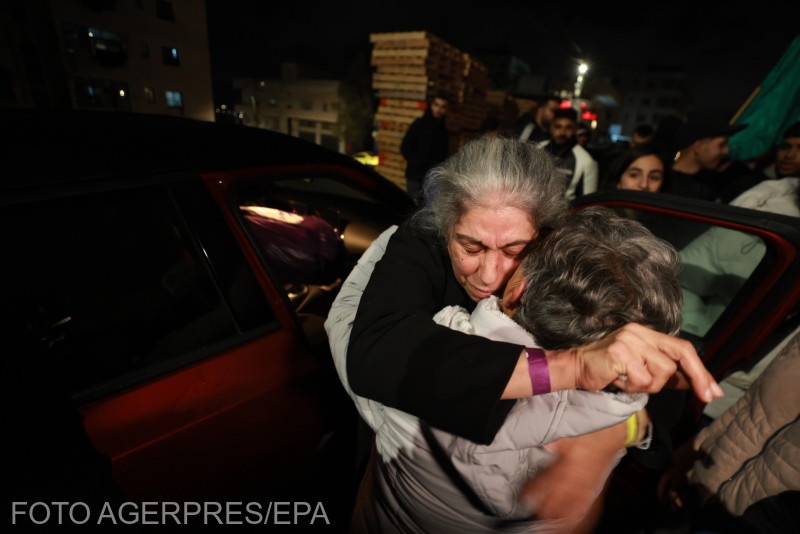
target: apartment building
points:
(143, 56)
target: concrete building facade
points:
(305, 108)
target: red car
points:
(169, 279)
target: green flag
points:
(774, 108)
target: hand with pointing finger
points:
(635, 359)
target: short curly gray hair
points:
(594, 273)
(488, 171)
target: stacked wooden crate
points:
(470, 103)
(410, 69)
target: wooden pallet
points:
(410, 69)
(401, 111)
(399, 36)
(404, 103)
(410, 95)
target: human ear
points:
(513, 297)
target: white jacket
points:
(586, 168)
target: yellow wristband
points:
(632, 425)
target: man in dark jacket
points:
(535, 125)
(703, 143)
(425, 144)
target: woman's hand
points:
(636, 359)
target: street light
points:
(583, 68)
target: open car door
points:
(741, 282)
(740, 272)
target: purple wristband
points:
(540, 374)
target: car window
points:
(715, 266)
(716, 262)
(112, 283)
(324, 185)
(310, 229)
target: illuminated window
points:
(99, 93)
(170, 56)
(107, 48)
(149, 94)
(174, 99)
(103, 41)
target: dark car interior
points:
(310, 231)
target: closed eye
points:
(516, 251)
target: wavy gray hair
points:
(493, 171)
(594, 273)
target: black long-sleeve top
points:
(398, 356)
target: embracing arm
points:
(648, 359)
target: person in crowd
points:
(493, 198)
(741, 473)
(786, 164)
(581, 169)
(702, 145)
(425, 144)
(642, 134)
(787, 159)
(640, 168)
(633, 276)
(535, 126)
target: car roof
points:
(64, 146)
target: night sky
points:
(726, 51)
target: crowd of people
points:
(502, 349)
(683, 158)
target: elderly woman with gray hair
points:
(490, 202)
